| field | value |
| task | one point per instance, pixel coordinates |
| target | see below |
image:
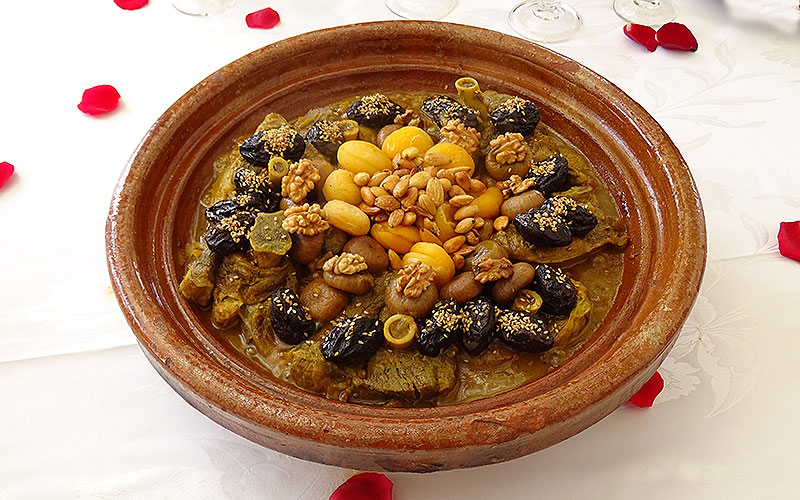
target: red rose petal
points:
(365, 486)
(6, 171)
(676, 36)
(264, 18)
(130, 4)
(642, 34)
(99, 100)
(789, 240)
(647, 394)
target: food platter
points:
(665, 259)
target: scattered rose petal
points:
(130, 4)
(98, 100)
(264, 18)
(676, 36)
(647, 394)
(789, 240)
(642, 34)
(365, 486)
(6, 171)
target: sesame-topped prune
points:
(374, 111)
(441, 328)
(326, 136)
(516, 115)
(558, 293)
(221, 210)
(523, 331)
(442, 109)
(256, 184)
(290, 320)
(479, 319)
(580, 219)
(230, 234)
(543, 228)
(284, 141)
(352, 339)
(550, 174)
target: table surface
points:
(84, 415)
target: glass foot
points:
(421, 9)
(545, 21)
(202, 7)
(647, 12)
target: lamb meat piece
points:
(409, 375)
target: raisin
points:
(326, 136)
(543, 228)
(516, 115)
(550, 174)
(374, 111)
(352, 339)
(441, 329)
(442, 109)
(558, 293)
(523, 331)
(290, 321)
(230, 234)
(479, 319)
(580, 219)
(221, 210)
(285, 142)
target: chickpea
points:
(322, 301)
(372, 251)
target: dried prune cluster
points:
(232, 219)
(442, 109)
(326, 136)
(261, 147)
(352, 339)
(516, 115)
(290, 320)
(374, 111)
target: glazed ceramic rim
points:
(516, 422)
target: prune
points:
(523, 331)
(326, 136)
(543, 228)
(441, 329)
(374, 111)
(479, 319)
(516, 115)
(580, 219)
(558, 293)
(352, 339)
(221, 210)
(230, 234)
(249, 182)
(290, 321)
(284, 141)
(550, 174)
(442, 109)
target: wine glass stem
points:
(648, 4)
(547, 9)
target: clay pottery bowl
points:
(153, 206)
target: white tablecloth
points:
(83, 414)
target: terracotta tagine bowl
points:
(153, 206)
